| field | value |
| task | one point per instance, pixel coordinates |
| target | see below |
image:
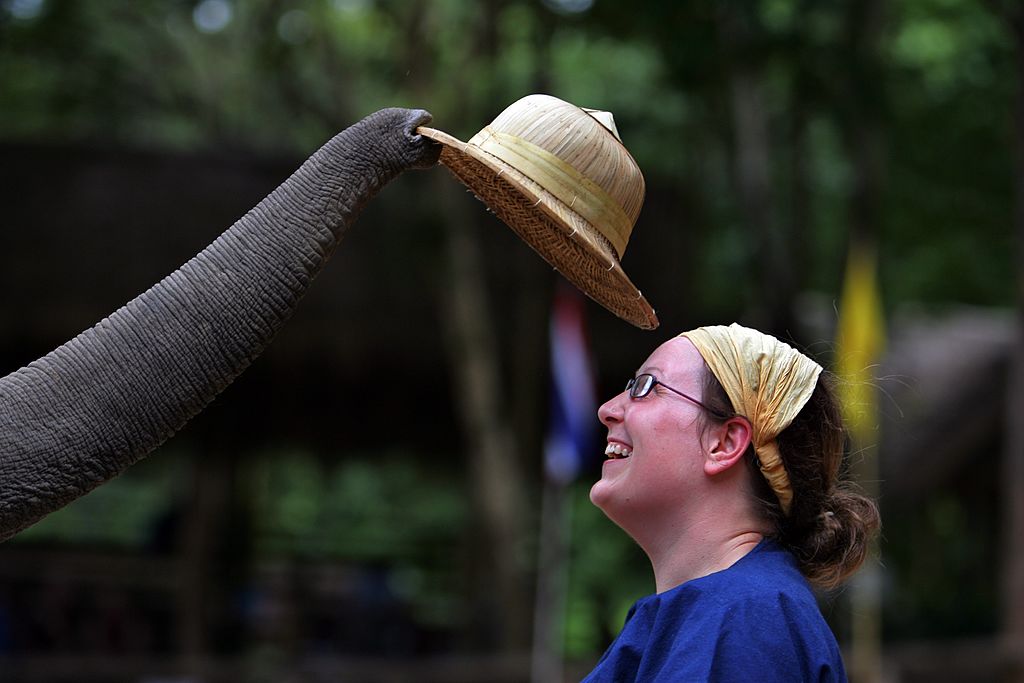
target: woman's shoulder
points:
(761, 607)
(755, 621)
(761, 598)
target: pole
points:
(547, 661)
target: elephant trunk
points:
(80, 415)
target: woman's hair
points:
(830, 524)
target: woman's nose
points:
(611, 411)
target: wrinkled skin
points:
(80, 415)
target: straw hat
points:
(560, 177)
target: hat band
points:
(568, 185)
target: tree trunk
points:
(495, 475)
(485, 406)
(772, 263)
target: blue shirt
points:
(755, 621)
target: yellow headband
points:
(768, 382)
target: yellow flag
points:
(860, 340)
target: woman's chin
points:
(602, 493)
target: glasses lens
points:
(640, 386)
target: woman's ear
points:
(728, 443)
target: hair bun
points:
(837, 542)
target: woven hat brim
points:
(567, 241)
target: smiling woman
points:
(724, 459)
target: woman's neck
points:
(691, 556)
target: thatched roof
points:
(943, 400)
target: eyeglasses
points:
(642, 385)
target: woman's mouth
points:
(616, 451)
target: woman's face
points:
(655, 460)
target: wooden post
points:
(1013, 457)
(547, 663)
(201, 519)
(864, 142)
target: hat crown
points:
(586, 141)
(560, 177)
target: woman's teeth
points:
(617, 450)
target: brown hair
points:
(830, 524)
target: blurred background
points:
(371, 501)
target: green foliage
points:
(948, 206)
(609, 573)
(938, 80)
(358, 509)
(378, 509)
(943, 565)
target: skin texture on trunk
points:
(80, 415)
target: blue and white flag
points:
(573, 406)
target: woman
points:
(724, 458)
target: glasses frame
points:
(640, 387)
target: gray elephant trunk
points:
(97, 404)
